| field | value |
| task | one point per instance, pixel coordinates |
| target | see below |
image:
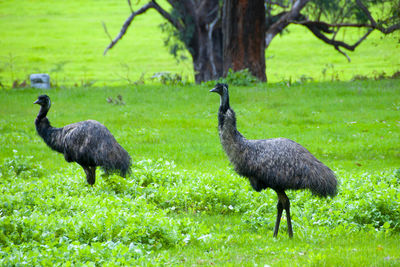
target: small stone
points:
(41, 80)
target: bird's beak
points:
(36, 102)
(213, 90)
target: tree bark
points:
(205, 48)
(204, 43)
(207, 60)
(243, 25)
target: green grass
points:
(199, 212)
(40, 36)
(183, 204)
(349, 125)
(225, 247)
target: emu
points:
(88, 143)
(277, 163)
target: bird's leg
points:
(90, 174)
(278, 216)
(93, 176)
(289, 220)
(283, 203)
(286, 205)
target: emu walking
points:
(88, 143)
(277, 163)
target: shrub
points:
(168, 78)
(237, 78)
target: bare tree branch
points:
(324, 25)
(335, 43)
(129, 20)
(284, 20)
(167, 16)
(375, 25)
(366, 11)
(106, 31)
(392, 28)
(130, 5)
(320, 28)
(344, 54)
(126, 25)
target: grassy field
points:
(66, 40)
(341, 122)
(183, 204)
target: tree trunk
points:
(206, 51)
(243, 25)
(201, 25)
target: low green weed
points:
(365, 201)
(374, 204)
(149, 211)
(55, 211)
(168, 78)
(20, 166)
(190, 207)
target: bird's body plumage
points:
(88, 143)
(277, 163)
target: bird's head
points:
(44, 101)
(220, 88)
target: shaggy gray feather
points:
(277, 163)
(89, 143)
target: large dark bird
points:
(277, 163)
(88, 143)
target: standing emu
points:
(277, 163)
(88, 143)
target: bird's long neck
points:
(51, 135)
(231, 139)
(227, 124)
(42, 113)
(223, 108)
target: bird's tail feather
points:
(324, 183)
(118, 161)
